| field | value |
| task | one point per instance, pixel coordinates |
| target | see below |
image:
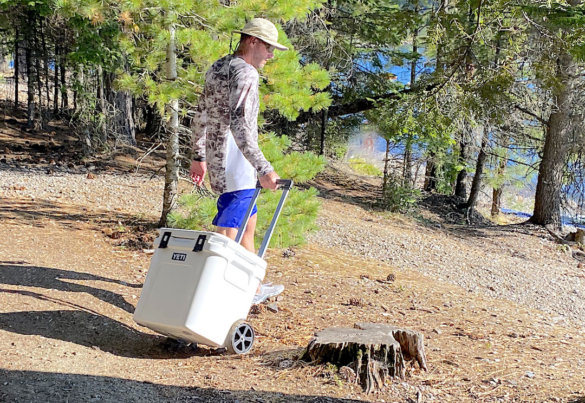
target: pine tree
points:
(201, 34)
(559, 67)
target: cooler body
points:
(198, 285)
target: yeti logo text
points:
(181, 257)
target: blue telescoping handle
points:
(285, 185)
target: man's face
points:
(261, 52)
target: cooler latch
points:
(165, 240)
(199, 244)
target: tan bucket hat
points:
(263, 30)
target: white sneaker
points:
(267, 291)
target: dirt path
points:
(66, 331)
(68, 288)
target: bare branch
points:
(534, 115)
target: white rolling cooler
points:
(200, 285)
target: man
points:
(225, 134)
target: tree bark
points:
(407, 167)
(430, 183)
(496, 202)
(16, 64)
(46, 65)
(37, 60)
(75, 78)
(371, 351)
(153, 122)
(547, 200)
(460, 188)
(172, 164)
(125, 124)
(56, 81)
(476, 183)
(323, 131)
(386, 169)
(62, 69)
(497, 192)
(126, 118)
(101, 101)
(32, 120)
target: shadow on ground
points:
(80, 324)
(34, 386)
(25, 147)
(70, 216)
(346, 187)
(88, 329)
(18, 274)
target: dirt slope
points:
(68, 288)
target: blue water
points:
(564, 219)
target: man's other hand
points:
(268, 181)
(197, 171)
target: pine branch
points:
(530, 113)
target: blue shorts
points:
(232, 207)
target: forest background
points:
(494, 89)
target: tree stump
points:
(373, 351)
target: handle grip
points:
(286, 185)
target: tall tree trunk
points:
(125, 124)
(386, 169)
(32, 120)
(407, 163)
(430, 183)
(407, 170)
(460, 188)
(496, 202)
(46, 63)
(100, 96)
(153, 122)
(16, 65)
(172, 165)
(431, 180)
(37, 60)
(547, 200)
(126, 121)
(325, 112)
(323, 131)
(63, 70)
(476, 183)
(56, 82)
(76, 76)
(498, 191)
(100, 88)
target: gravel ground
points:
(502, 262)
(135, 193)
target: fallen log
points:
(373, 351)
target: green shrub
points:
(399, 198)
(196, 211)
(339, 151)
(363, 167)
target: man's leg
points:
(248, 238)
(226, 209)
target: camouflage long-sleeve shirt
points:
(225, 128)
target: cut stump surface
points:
(374, 351)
